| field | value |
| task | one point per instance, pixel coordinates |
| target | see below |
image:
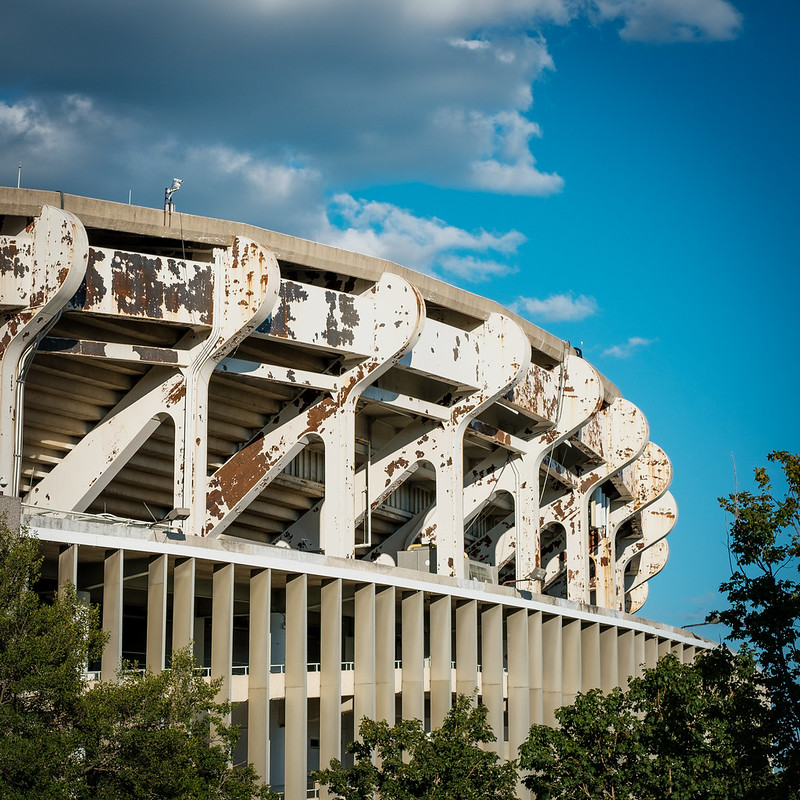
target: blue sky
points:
(622, 172)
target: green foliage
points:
(43, 647)
(764, 597)
(161, 736)
(146, 737)
(403, 762)
(681, 730)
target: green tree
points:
(684, 731)
(764, 597)
(161, 736)
(146, 737)
(43, 647)
(402, 762)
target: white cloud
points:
(425, 244)
(511, 167)
(556, 307)
(628, 349)
(284, 195)
(370, 93)
(672, 20)
(43, 129)
(470, 44)
(345, 94)
(474, 269)
(479, 13)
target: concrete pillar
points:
(450, 502)
(330, 693)
(441, 658)
(156, 647)
(467, 649)
(413, 655)
(222, 630)
(364, 678)
(535, 667)
(572, 660)
(650, 651)
(627, 656)
(519, 698)
(492, 673)
(67, 568)
(609, 659)
(639, 652)
(664, 647)
(337, 517)
(590, 657)
(112, 614)
(258, 680)
(183, 604)
(296, 763)
(385, 655)
(552, 668)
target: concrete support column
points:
(450, 503)
(364, 678)
(571, 663)
(467, 649)
(330, 692)
(222, 630)
(578, 555)
(551, 668)
(67, 568)
(156, 647)
(664, 647)
(296, 763)
(183, 604)
(650, 652)
(626, 656)
(413, 655)
(535, 667)
(441, 659)
(609, 659)
(605, 569)
(385, 655)
(639, 652)
(590, 657)
(492, 673)
(337, 517)
(689, 654)
(519, 698)
(112, 614)
(258, 679)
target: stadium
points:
(354, 489)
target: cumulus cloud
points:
(627, 349)
(290, 102)
(672, 20)
(556, 307)
(426, 244)
(511, 167)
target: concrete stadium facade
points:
(355, 489)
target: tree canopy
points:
(680, 730)
(764, 596)
(146, 737)
(402, 762)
